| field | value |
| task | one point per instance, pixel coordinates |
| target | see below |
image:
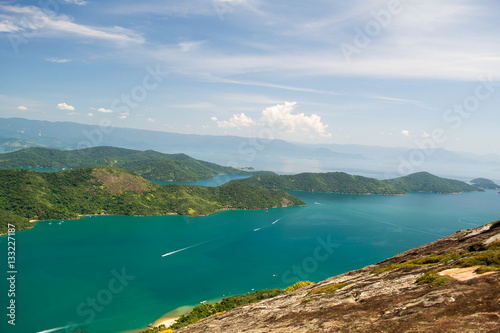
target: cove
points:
(108, 273)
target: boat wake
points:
(55, 329)
(276, 221)
(185, 248)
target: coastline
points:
(79, 216)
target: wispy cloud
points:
(46, 23)
(57, 60)
(22, 108)
(7, 26)
(77, 2)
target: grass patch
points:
(307, 300)
(297, 285)
(429, 260)
(329, 288)
(487, 258)
(433, 278)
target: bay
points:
(108, 273)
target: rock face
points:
(388, 299)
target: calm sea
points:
(108, 274)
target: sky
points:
(387, 73)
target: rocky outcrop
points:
(386, 297)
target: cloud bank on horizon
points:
(377, 72)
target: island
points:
(426, 182)
(486, 184)
(27, 194)
(341, 182)
(338, 182)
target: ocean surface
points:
(117, 273)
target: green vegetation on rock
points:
(328, 289)
(298, 285)
(206, 310)
(426, 182)
(338, 182)
(149, 164)
(19, 222)
(114, 191)
(486, 184)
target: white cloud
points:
(77, 2)
(282, 121)
(213, 118)
(280, 117)
(48, 23)
(90, 114)
(236, 120)
(123, 115)
(6, 26)
(405, 132)
(57, 60)
(151, 120)
(64, 106)
(426, 135)
(103, 110)
(22, 108)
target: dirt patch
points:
(463, 274)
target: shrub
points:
(433, 278)
(298, 285)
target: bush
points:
(432, 278)
(298, 285)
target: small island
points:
(484, 183)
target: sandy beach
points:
(167, 321)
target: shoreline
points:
(79, 216)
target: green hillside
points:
(148, 164)
(338, 182)
(485, 184)
(426, 182)
(114, 191)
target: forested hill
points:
(426, 182)
(114, 191)
(338, 182)
(485, 183)
(149, 164)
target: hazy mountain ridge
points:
(263, 154)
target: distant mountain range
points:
(263, 154)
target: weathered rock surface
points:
(390, 301)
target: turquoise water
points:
(68, 272)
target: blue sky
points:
(388, 73)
